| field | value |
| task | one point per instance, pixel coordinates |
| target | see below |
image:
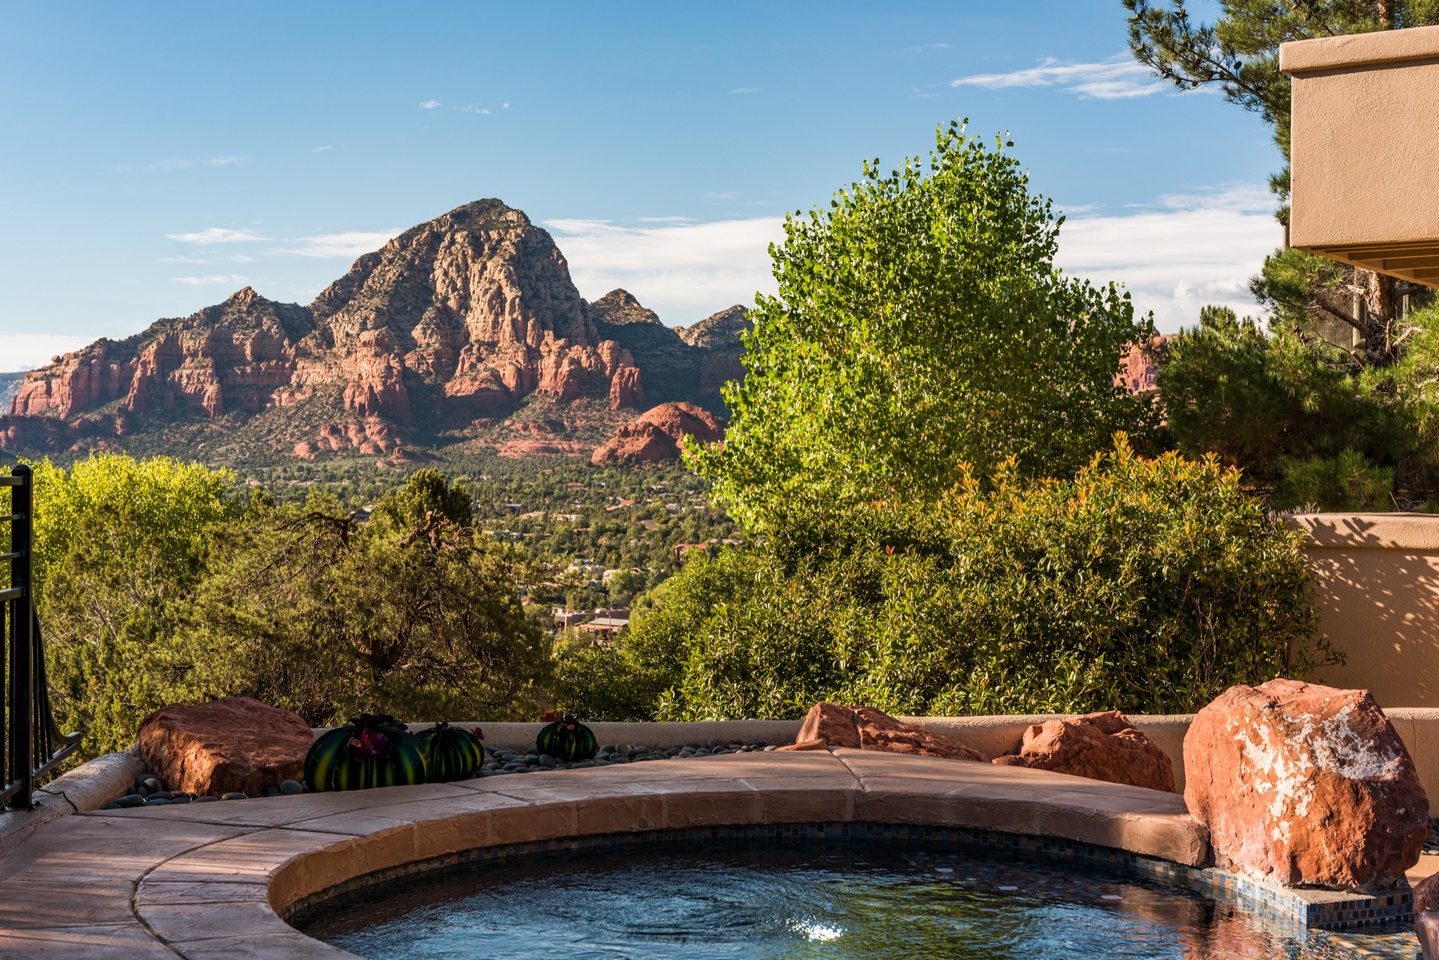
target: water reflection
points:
(836, 902)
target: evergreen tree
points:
(1239, 54)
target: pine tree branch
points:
(1323, 307)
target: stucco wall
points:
(1363, 108)
(1379, 602)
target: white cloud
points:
(322, 149)
(745, 90)
(226, 161)
(1119, 77)
(233, 279)
(925, 46)
(430, 104)
(505, 105)
(475, 108)
(1240, 198)
(217, 235)
(682, 271)
(350, 244)
(26, 351)
(1181, 253)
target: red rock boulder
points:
(1426, 894)
(1305, 784)
(865, 728)
(233, 744)
(1100, 746)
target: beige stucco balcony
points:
(1365, 150)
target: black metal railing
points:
(34, 745)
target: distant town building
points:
(681, 549)
(602, 621)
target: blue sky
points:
(156, 157)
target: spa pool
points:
(848, 898)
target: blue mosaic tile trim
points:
(1285, 911)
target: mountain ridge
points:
(464, 329)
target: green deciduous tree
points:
(120, 542)
(920, 325)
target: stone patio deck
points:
(209, 881)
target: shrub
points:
(1143, 585)
(413, 614)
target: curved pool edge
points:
(207, 881)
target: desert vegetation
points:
(942, 503)
(932, 497)
(946, 492)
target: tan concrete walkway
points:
(205, 881)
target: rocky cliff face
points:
(680, 364)
(717, 341)
(9, 387)
(658, 434)
(228, 357)
(454, 322)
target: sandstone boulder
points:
(1100, 746)
(830, 725)
(231, 744)
(1426, 894)
(1305, 784)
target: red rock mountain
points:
(451, 327)
(659, 433)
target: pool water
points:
(856, 899)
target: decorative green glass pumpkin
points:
(567, 739)
(451, 753)
(372, 750)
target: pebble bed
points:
(150, 791)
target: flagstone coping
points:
(211, 881)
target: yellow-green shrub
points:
(1143, 585)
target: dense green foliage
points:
(1309, 426)
(903, 455)
(121, 543)
(153, 588)
(413, 613)
(1144, 585)
(920, 325)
